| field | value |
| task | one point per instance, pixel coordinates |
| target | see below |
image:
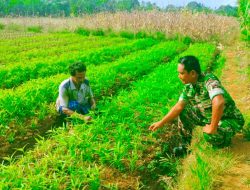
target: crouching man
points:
(75, 95)
(203, 102)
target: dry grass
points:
(202, 169)
(197, 26)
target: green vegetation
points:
(246, 130)
(130, 80)
(2, 26)
(35, 29)
(30, 98)
(200, 170)
(17, 73)
(82, 31)
(243, 9)
(135, 82)
(79, 7)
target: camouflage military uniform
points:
(198, 111)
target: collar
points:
(198, 82)
(201, 77)
(72, 85)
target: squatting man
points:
(75, 95)
(203, 102)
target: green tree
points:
(127, 4)
(4, 10)
(227, 10)
(197, 7)
(149, 6)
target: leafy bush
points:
(98, 32)
(35, 29)
(160, 35)
(243, 10)
(82, 31)
(2, 26)
(246, 131)
(125, 34)
(141, 34)
(187, 40)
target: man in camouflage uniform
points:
(203, 102)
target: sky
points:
(208, 3)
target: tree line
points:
(78, 7)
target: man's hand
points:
(209, 129)
(156, 126)
(93, 104)
(93, 107)
(172, 114)
(87, 118)
(84, 117)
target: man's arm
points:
(218, 103)
(67, 111)
(172, 114)
(92, 99)
(63, 102)
(92, 103)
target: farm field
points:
(135, 82)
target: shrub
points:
(141, 34)
(243, 10)
(160, 36)
(187, 40)
(2, 26)
(125, 34)
(246, 131)
(98, 32)
(82, 31)
(35, 29)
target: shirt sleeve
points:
(89, 90)
(91, 93)
(214, 87)
(63, 97)
(183, 96)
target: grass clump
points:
(141, 34)
(160, 36)
(35, 29)
(204, 165)
(2, 26)
(98, 32)
(246, 131)
(82, 31)
(126, 34)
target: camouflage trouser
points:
(191, 117)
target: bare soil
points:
(28, 140)
(236, 80)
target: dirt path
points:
(237, 81)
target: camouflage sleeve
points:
(183, 96)
(214, 87)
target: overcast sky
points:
(208, 3)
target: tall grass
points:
(198, 26)
(243, 10)
(201, 169)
